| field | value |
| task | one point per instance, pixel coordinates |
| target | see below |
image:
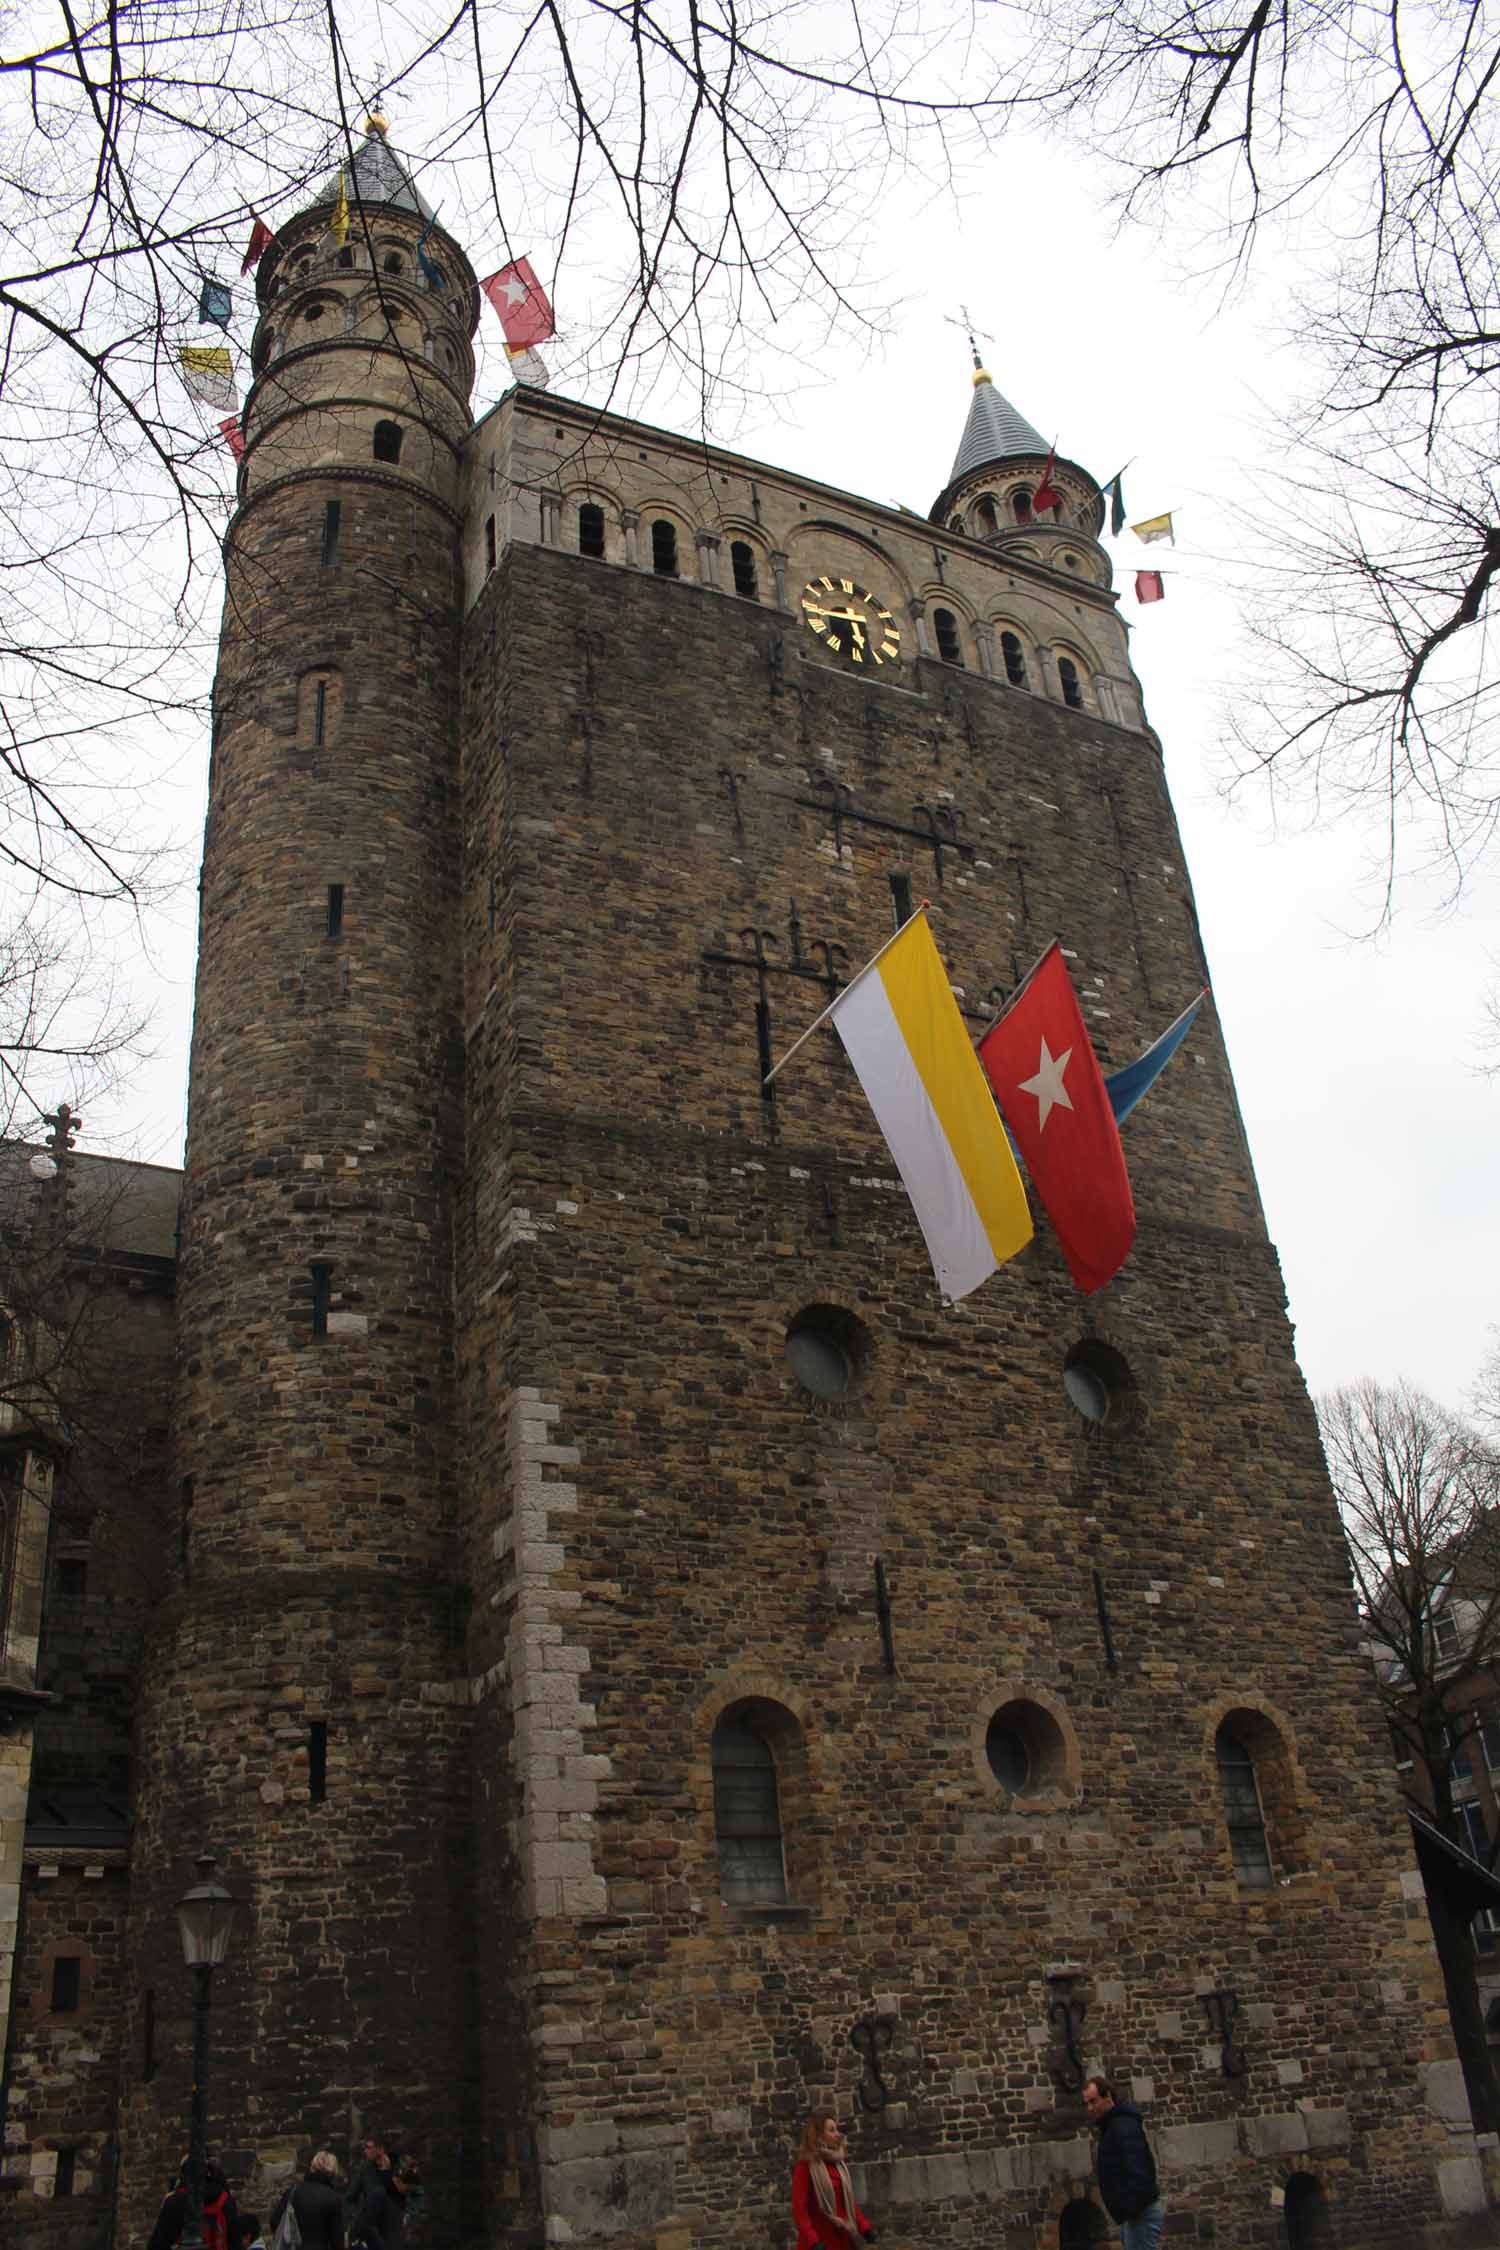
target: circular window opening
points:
(1097, 1380)
(1024, 1748)
(826, 1347)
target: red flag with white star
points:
(521, 302)
(1052, 1095)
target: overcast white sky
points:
(1358, 1062)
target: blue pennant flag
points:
(1114, 493)
(1125, 1087)
(431, 274)
(215, 303)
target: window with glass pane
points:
(1487, 1726)
(1471, 1831)
(1445, 1634)
(1242, 1813)
(747, 1817)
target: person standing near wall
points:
(1126, 2168)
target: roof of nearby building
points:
(375, 174)
(76, 1820)
(113, 1203)
(994, 431)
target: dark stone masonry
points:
(647, 1664)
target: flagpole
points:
(1020, 988)
(849, 987)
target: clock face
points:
(848, 619)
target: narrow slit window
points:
(945, 625)
(1015, 659)
(591, 531)
(322, 1294)
(346, 258)
(900, 898)
(185, 1525)
(72, 1578)
(67, 2159)
(320, 714)
(67, 1984)
(489, 544)
(388, 436)
(317, 1761)
(1069, 682)
(664, 548)
(742, 556)
(330, 534)
(335, 908)
(148, 2035)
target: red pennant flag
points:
(261, 239)
(1150, 586)
(1046, 494)
(1040, 1061)
(233, 435)
(521, 302)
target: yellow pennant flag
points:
(338, 225)
(1155, 527)
(912, 1054)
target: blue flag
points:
(431, 274)
(215, 304)
(1125, 1087)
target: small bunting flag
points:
(208, 373)
(1155, 527)
(338, 225)
(1114, 493)
(261, 239)
(1149, 586)
(233, 435)
(1046, 494)
(215, 303)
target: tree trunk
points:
(1455, 1951)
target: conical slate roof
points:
(994, 431)
(377, 175)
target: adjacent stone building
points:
(648, 1665)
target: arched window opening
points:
(314, 311)
(346, 258)
(1020, 503)
(388, 436)
(664, 548)
(955, 523)
(742, 558)
(1309, 2222)
(747, 1816)
(1071, 685)
(986, 520)
(591, 530)
(1015, 659)
(1081, 2224)
(392, 262)
(1242, 1812)
(945, 625)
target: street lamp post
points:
(205, 1916)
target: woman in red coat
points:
(823, 2205)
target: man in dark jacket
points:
(219, 2229)
(318, 2204)
(1126, 2167)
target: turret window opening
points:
(489, 544)
(986, 520)
(392, 262)
(335, 909)
(1069, 682)
(320, 703)
(1015, 659)
(330, 534)
(346, 258)
(664, 548)
(945, 625)
(320, 713)
(388, 436)
(315, 311)
(742, 557)
(591, 531)
(265, 344)
(1020, 503)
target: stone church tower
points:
(649, 1666)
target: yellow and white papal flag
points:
(916, 1062)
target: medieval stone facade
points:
(648, 1665)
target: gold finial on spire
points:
(377, 122)
(981, 374)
